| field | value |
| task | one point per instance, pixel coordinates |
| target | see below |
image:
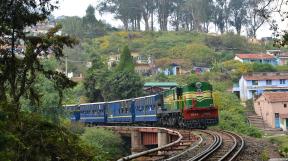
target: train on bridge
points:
(189, 106)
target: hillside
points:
(196, 48)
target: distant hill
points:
(198, 49)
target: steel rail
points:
(214, 146)
(242, 142)
(187, 150)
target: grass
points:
(282, 142)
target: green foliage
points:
(123, 85)
(105, 143)
(86, 27)
(282, 68)
(232, 114)
(74, 95)
(126, 61)
(26, 134)
(95, 79)
(33, 138)
(265, 155)
(282, 142)
(259, 67)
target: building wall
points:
(264, 109)
(237, 58)
(246, 87)
(283, 61)
(267, 110)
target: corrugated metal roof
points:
(160, 84)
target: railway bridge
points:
(155, 143)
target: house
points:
(256, 58)
(143, 64)
(143, 69)
(282, 58)
(156, 87)
(171, 69)
(199, 70)
(272, 107)
(257, 83)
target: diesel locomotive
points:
(188, 106)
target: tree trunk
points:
(145, 17)
(138, 24)
(125, 23)
(152, 21)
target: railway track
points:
(195, 145)
(215, 145)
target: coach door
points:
(277, 120)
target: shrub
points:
(105, 143)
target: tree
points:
(73, 26)
(124, 82)
(123, 85)
(126, 61)
(95, 78)
(255, 18)
(238, 10)
(31, 137)
(221, 14)
(92, 26)
(164, 9)
(125, 10)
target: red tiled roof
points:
(276, 96)
(266, 76)
(255, 56)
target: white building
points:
(256, 58)
(257, 83)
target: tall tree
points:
(238, 15)
(94, 79)
(126, 61)
(255, 16)
(221, 15)
(124, 82)
(32, 138)
(92, 26)
(164, 8)
(177, 13)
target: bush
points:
(232, 115)
(105, 143)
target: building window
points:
(282, 81)
(285, 105)
(268, 82)
(255, 82)
(258, 103)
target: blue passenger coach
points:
(146, 108)
(93, 113)
(121, 111)
(141, 109)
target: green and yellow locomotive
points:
(188, 106)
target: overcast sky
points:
(78, 8)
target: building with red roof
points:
(256, 58)
(273, 108)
